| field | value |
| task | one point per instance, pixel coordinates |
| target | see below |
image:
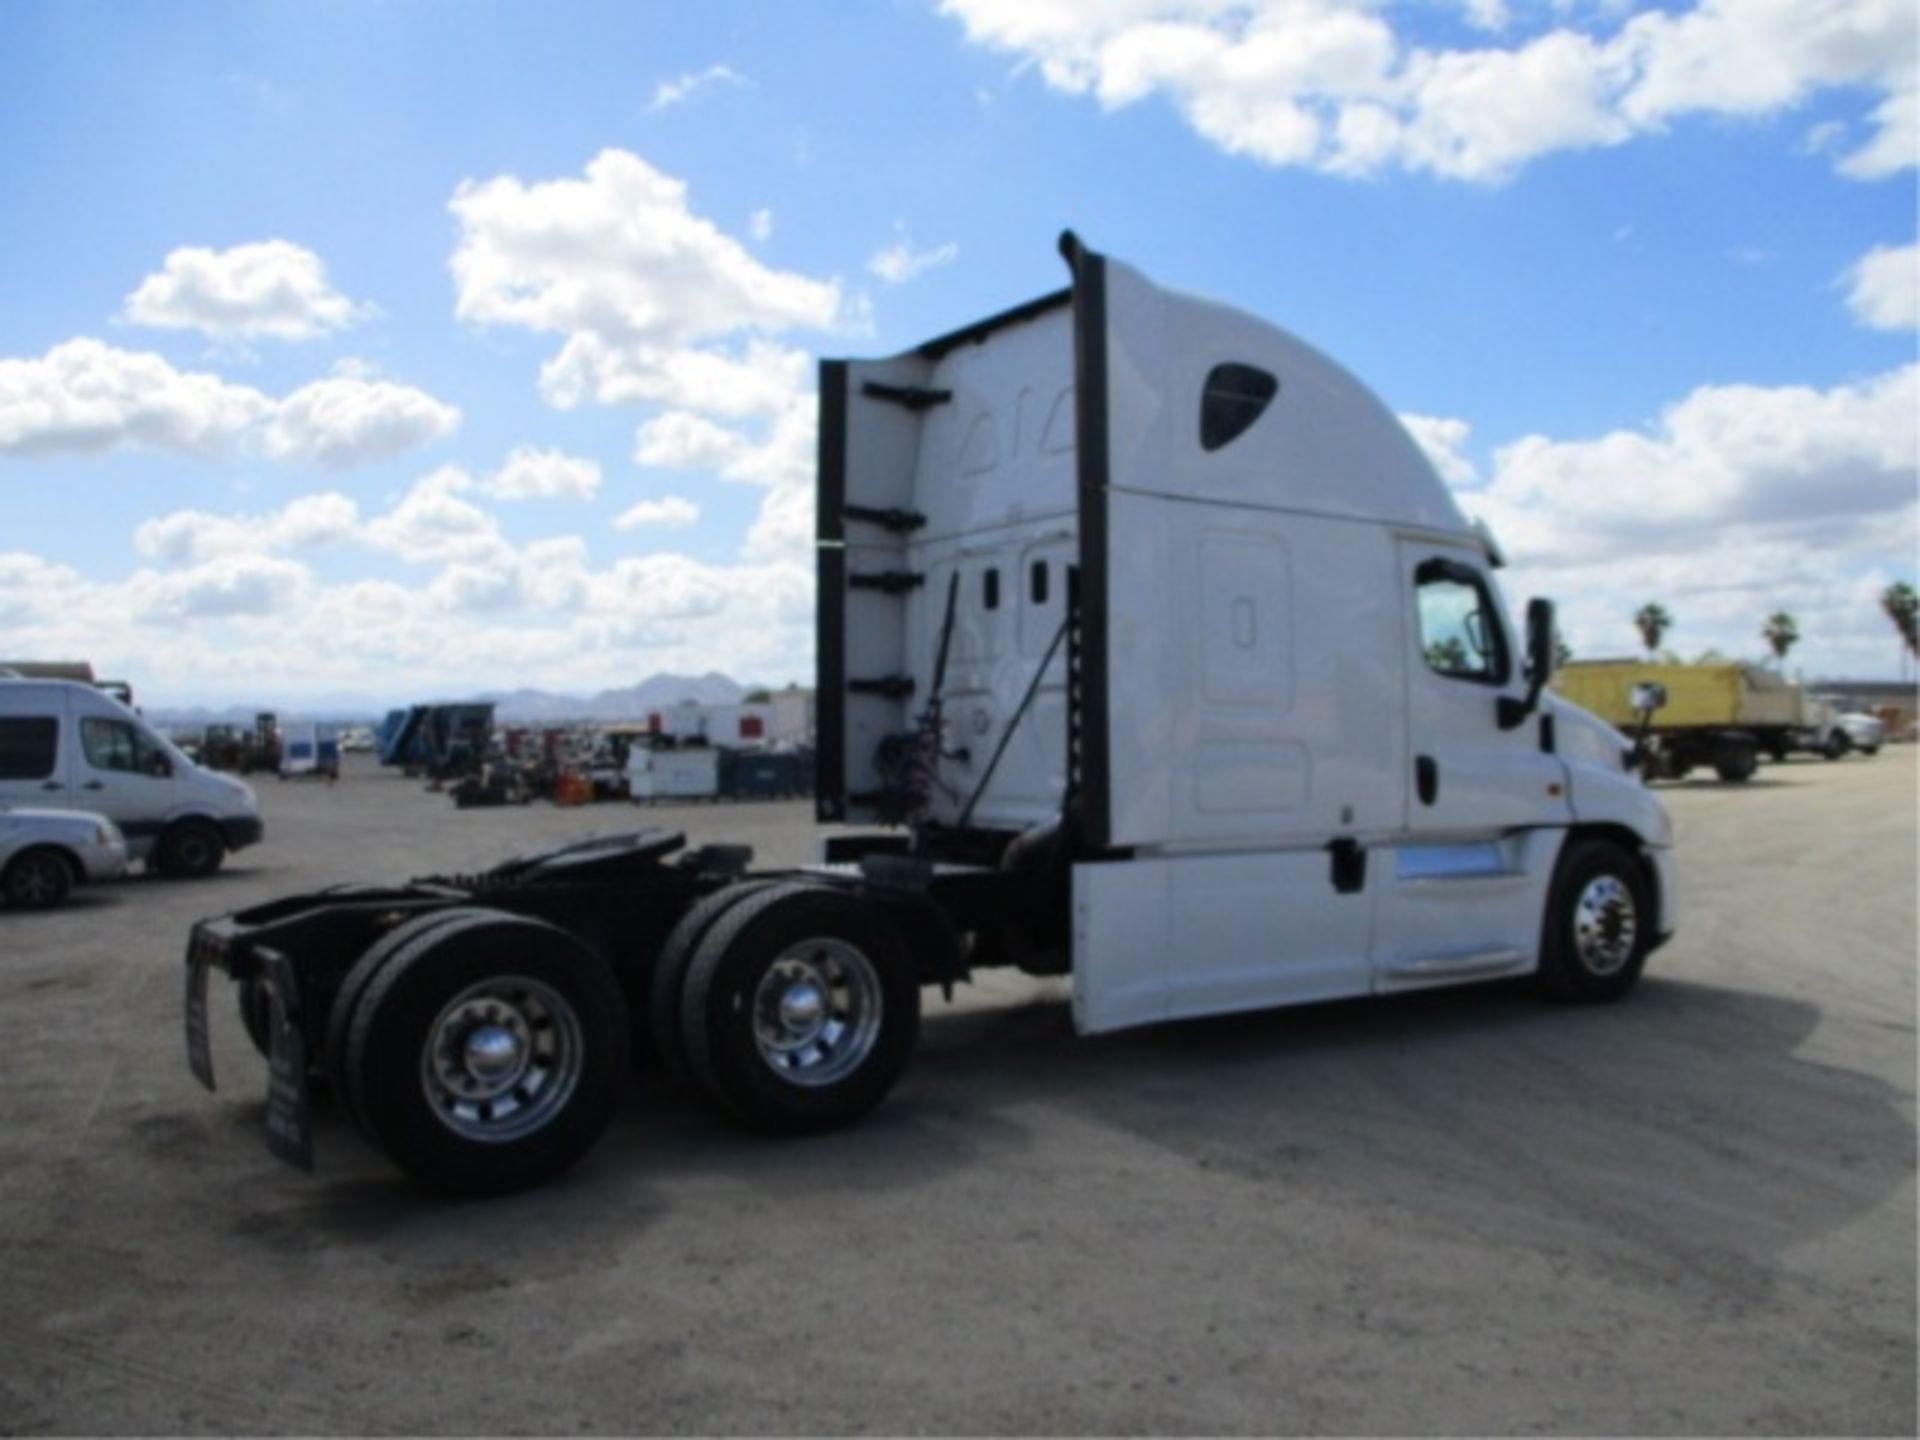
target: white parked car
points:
(45, 853)
(1864, 732)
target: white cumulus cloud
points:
(1883, 288)
(671, 92)
(344, 421)
(654, 301)
(1444, 441)
(656, 306)
(1338, 85)
(84, 397)
(900, 262)
(532, 474)
(432, 522)
(272, 290)
(191, 536)
(1739, 501)
(669, 512)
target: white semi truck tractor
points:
(1152, 653)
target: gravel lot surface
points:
(1463, 1212)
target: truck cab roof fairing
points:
(913, 482)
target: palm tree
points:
(1782, 633)
(1903, 608)
(1653, 621)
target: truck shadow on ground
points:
(1680, 1126)
(1685, 1109)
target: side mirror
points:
(1539, 665)
(1645, 697)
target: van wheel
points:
(487, 1057)
(189, 850)
(1599, 924)
(667, 980)
(801, 1009)
(346, 1000)
(37, 879)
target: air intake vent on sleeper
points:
(1232, 399)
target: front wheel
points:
(1838, 744)
(488, 1057)
(801, 1009)
(37, 880)
(1599, 924)
(189, 850)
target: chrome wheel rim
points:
(816, 1012)
(502, 1059)
(1605, 925)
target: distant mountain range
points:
(542, 707)
(511, 707)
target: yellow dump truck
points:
(1724, 716)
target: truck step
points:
(901, 522)
(893, 687)
(1458, 965)
(887, 582)
(914, 397)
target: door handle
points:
(93, 785)
(53, 785)
(1426, 779)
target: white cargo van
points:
(69, 746)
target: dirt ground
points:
(1461, 1212)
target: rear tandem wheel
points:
(801, 1009)
(486, 1057)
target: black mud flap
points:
(289, 1103)
(199, 1047)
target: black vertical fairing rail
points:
(1093, 475)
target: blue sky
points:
(379, 349)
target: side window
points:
(1233, 397)
(28, 747)
(1460, 631)
(116, 745)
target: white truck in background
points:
(1160, 657)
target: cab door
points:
(1467, 777)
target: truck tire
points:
(1838, 743)
(1736, 762)
(189, 850)
(487, 1057)
(801, 1009)
(1599, 924)
(373, 960)
(667, 979)
(38, 879)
